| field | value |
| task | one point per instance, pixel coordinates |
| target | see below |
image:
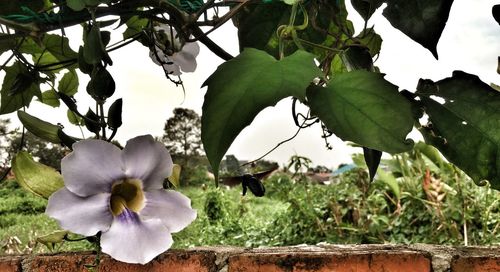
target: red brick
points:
(10, 264)
(175, 261)
(330, 261)
(476, 264)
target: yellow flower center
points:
(126, 194)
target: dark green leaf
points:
(6, 44)
(93, 124)
(68, 84)
(51, 98)
(357, 58)
(115, 114)
(372, 159)
(75, 5)
(35, 177)
(370, 39)
(41, 129)
(466, 128)
(258, 23)
(240, 88)
(11, 103)
(66, 140)
(82, 64)
(363, 107)
(8, 7)
(496, 13)
(93, 48)
(101, 85)
(23, 81)
(366, 8)
(423, 21)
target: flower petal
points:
(131, 240)
(92, 167)
(172, 207)
(82, 215)
(172, 69)
(147, 160)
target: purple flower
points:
(173, 55)
(120, 193)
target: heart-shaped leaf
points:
(242, 87)
(51, 98)
(68, 84)
(11, 102)
(363, 107)
(466, 127)
(423, 21)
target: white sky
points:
(470, 42)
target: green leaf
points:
(357, 58)
(93, 124)
(51, 98)
(466, 128)
(8, 7)
(39, 128)
(6, 44)
(68, 84)
(13, 102)
(240, 88)
(74, 119)
(372, 160)
(35, 177)
(135, 25)
(370, 39)
(366, 8)
(93, 48)
(363, 107)
(115, 114)
(102, 85)
(75, 5)
(59, 47)
(50, 240)
(258, 23)
(423, 21)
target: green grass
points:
(22, 217)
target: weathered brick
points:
(476, 264)
(330, 261)
(10, 264)
(178, 261)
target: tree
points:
(183, 133)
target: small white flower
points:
(172, 54)
(119, 193)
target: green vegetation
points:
(417, 199)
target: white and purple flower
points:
(119, 193)
(173, 55)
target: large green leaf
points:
(11, 102)
(363, 107)
(466, 128)
(423, 20)
(35, 177)
(240, 88)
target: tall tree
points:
(183, 133)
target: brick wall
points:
(320, 258)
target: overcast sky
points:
(470, 42)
